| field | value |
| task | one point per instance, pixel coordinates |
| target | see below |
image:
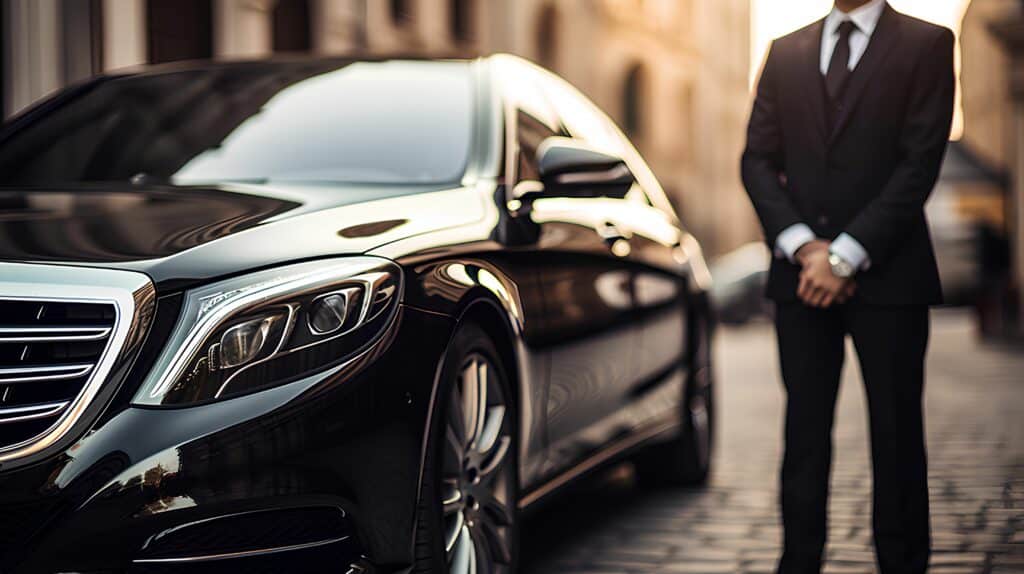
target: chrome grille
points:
(63, 331)
(47, 351)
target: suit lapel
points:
(810, 69)
(882, 41)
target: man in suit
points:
(847, 134)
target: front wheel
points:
(468, 504)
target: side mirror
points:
(571, 168)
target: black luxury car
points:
(331, 315)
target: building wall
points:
(993, 83)
(985, 82)
(33, 51)
(688, 61)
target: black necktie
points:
(839, 67)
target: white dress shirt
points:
(866, 19)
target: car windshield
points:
(314, 122)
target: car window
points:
(533, 117)
(255, 122)
(530, 132)
(586, 121)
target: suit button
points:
(822, 220)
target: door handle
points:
(616, 240)
(611, 233)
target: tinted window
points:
(535, 119)
(587, 122)
(374, 122)
(531, 132)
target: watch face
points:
(840, 267)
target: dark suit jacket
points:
(871, 175)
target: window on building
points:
(179, 30)
(401, 11)
(82, 33)
(633, 101)
(547, 37)
(461, 14)
(687, 131)
(291, 22)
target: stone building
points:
(993, 96)
(673, 73)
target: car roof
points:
(278, 60)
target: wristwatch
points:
(841, 268)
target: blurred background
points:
(675, 74)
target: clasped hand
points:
(818, 286)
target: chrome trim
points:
(595, 460)
(62, 334)
(156, 537)
(241, 553)
(45, 410)
(613, 174)
(293, 313)
(59, 372)
(374, 282)
(133, 297)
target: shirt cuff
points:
(851, 251)
(792, 239)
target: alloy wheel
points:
(476, 483)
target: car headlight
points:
(272, 327)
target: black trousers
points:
(891, 343)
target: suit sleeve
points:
(762, 161)
(886, 220)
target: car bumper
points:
(323, 469)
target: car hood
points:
(183, 235)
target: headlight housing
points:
(272, 327)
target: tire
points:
(468, 512)
(685, 460)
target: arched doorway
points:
(291, 26)
(180, 30)
(547, 37)
(461, 16)
(634, 100)
(401, 12)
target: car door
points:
(652, 256)
(659, 291)
(590, 330)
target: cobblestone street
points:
(975, 417)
